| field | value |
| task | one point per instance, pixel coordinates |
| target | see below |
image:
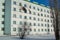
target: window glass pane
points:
(14, 15)
(20, 4)
(2, 22)
(14, 9)
(14, 22)
(3, 10)
(20, 22)
(14, 2)
(35, 30)
(25, 5)
(14, 29)
(20, 29)
(20, 16)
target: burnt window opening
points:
(24, 9)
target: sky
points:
(45, 2)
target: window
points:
(41, 10)
(14, 15)
(33, 7)
(20, 16)
(14, 9)
(44, 10)
(39, 30)
(45, 29)
(25, 17)
(3, 16)
(29, 6)
(2, 22)
(3, 4)
(38, 9)
(48, 30)
(14, 2)
(30, 24)
(20, 22)
(41, 14)
(34, 18)
(51, 21)
(45, 15)
(47, 11)
(2, 29)
(19, 10)
(47, 20)
(3, 10)
(25, 5)
(20, 29)
(14, 29)
(20, 4)
(38, 19)
(34, 13)
(25, 23)
(38, 14)
(24, 9)
(30, 18)
(34, 24)
(51, 25)
(41, 19)
(30, 29)
(34, 30)
(41, 24)
(14, 22)
(47, 25)
(51, 30)
(38, 24)
(29, 12)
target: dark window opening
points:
(29, 17)
(14, 2)
(29, 6)
(24, 9)
(20, 29)
(25, 5)
(25, 23)
(25, 17)
(20, 4)
(2, 29)
(3, 10)
(30, 24)
(3, 4)
(14, 9)
(34, 29)
(2, 22)
(14, 29)
(3, 16)
(48, 30)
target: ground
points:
(26, 38)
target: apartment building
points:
(23, 12)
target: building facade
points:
(22, 12)
(2, 10)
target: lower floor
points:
(15, 30)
